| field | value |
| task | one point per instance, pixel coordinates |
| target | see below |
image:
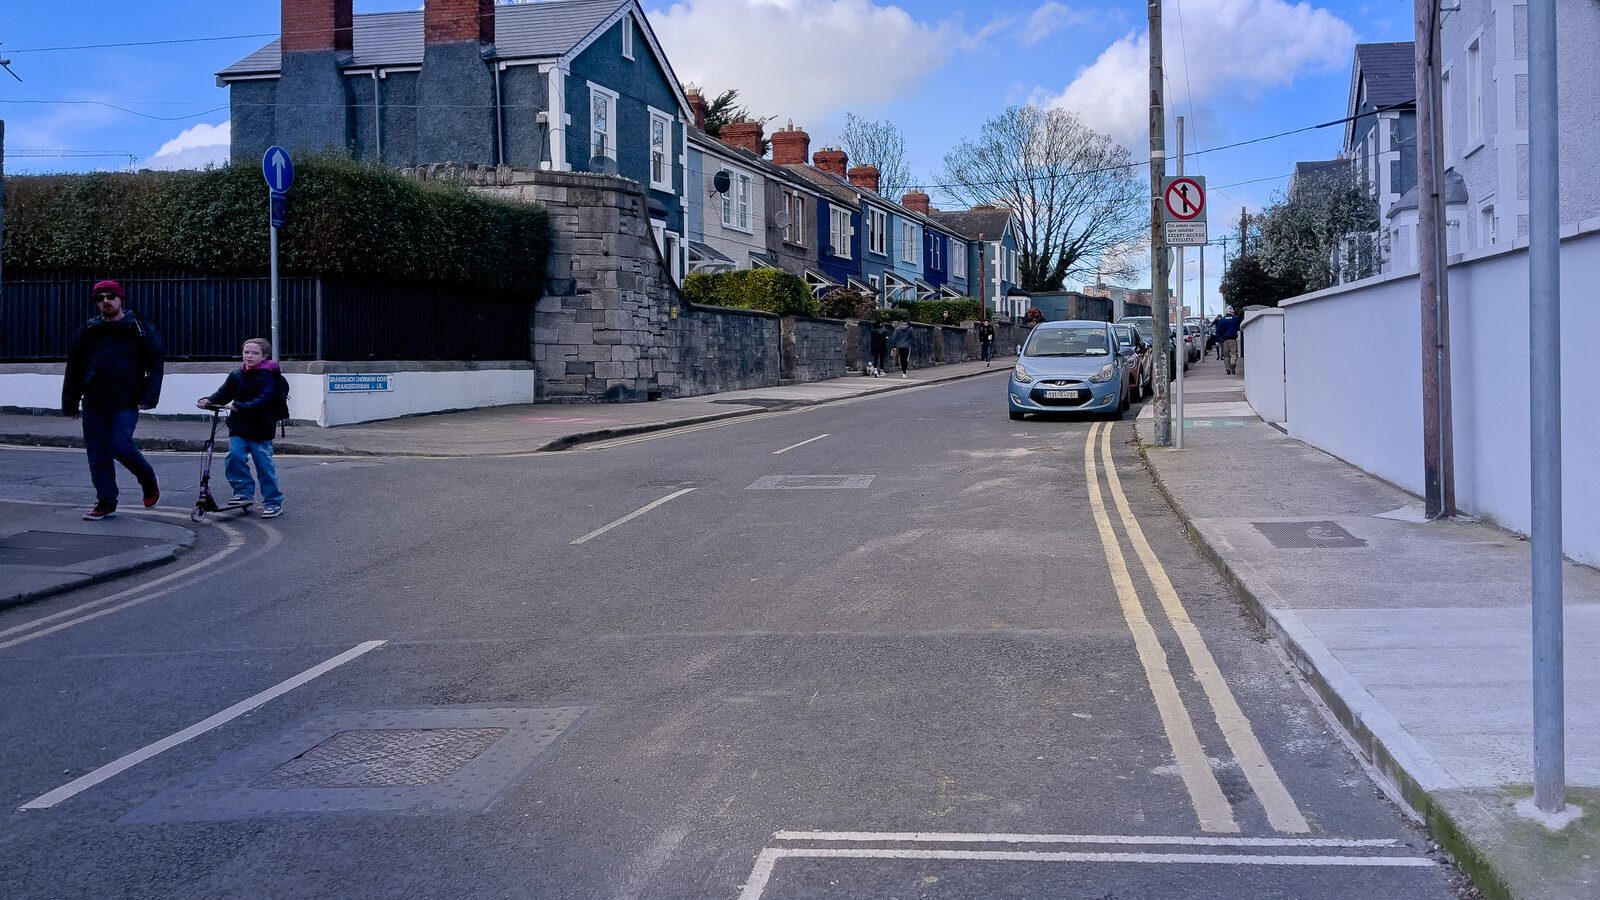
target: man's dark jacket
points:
(114, 365)
(254, 394)
(1227, 328)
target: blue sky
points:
(1237, 69)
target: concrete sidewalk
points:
(1415, 634)
(502, 429)
(46, 549)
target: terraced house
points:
(564, 85)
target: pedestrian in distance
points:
(1215, 341)
(986, 341)
(255, 394)
(944, 317)
(114, 369)
(878, 337)
(1228, 337)
(901, 341)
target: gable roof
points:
(1390, 75)
(970, 223)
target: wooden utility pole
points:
(1438, 464)
(1158, 248)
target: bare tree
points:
(1074, 190)
(878, 144)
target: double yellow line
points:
(1212, 808)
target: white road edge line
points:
(1113, 839)
(111, 769)
(762, 873)
(631, 516)
(1280, 807)
(801, 444)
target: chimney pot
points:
(916, 201)
(743, 134)
(865, 178)
(698, 106)
(791, 146)
(831, 160)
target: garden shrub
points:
(767, 290)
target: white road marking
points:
(1205, 794)
(235, 542)
(801, 444)
(111, 769)
(762, 873)
(631, 516)
(935, 837)
(1269, 788)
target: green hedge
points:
(768, 290)
(961, 309)
(344, 219)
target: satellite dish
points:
(602, 165)
(721, 181)
(781, 219)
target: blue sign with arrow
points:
(278, 169)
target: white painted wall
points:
(411, 392)
(1263, 374)
(1353, 385)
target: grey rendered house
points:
(564, 85)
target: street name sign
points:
(1183, 211)
(278, 169)
(358, 384)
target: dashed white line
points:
(631, 516)
(122, 764)
(801, 444)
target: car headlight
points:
(1021, 375)
(1104, 375)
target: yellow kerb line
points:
(1209, 804)
(1281, 809)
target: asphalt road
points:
(957, 674)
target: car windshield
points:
(1124, 337)
(1147, 328)
(1067, 342)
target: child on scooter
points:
(252, 393)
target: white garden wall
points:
(1352, 361)
(1263, 374)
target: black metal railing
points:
(202, 317)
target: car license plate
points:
(1061, 395)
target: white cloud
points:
(805, 60)
(193, 148)
(1234, 48)
(1049, 18)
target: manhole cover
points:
(811, 482)
(1307, 535)
(60, 548)
(382, 757)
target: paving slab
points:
(1416, 634)
(46, 549)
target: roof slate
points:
(970, 223)
(521, 30)
(1390, 72)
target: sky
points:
(1236, 70)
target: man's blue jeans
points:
(240, 454)
(108, 436)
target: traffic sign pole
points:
(277, 169)
(1183, 354)
(274, 242)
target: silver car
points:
(1072, 366)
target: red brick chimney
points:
(455, 21)
(697, 105)
(831, 160)
(316, 25)
(790, 146)
(916, 201)
(865, 178)
(744, 134)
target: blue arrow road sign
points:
(277, 168)
(275, 209)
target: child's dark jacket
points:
(253, 393)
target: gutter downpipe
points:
(499, 118)
(377, 112)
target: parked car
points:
(1072, 366)
(1147, 330)
(1129, 339)
(1195, 337)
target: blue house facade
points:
(992, 260)
(564, 85)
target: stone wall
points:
(813, 349)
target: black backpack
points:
(280, 405)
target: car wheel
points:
(1016, 416)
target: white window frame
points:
(909, 242)
(877, 231)
(1474, 91)
(1489, 226)
(627, 36)
(736, 202)
(839, 231)
(610, 136)
(657, 117)
(795, 204)
(1447, 115)
(958, 259)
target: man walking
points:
(114, 369)
(986, 341)
(1228, 337)
(901, 341)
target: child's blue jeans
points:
(240, 453)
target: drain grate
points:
(382, 757)
(1307, 535)
(811, 483)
